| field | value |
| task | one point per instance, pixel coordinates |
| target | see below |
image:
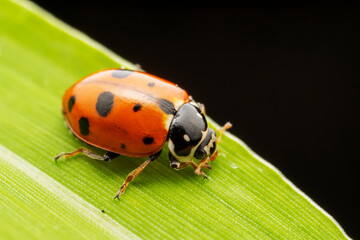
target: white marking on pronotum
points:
(186, 138)
(68, 198)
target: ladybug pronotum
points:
(134, 113)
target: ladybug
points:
(134, 113)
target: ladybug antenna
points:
(222, 129)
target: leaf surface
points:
(244, 198)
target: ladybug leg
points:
(107, 157)
(207, 166)
(214, 156)
(134, 173)
(205, 162)
(177, 165)
(131, 176)
(202, 163)
(222, 129)
(195, 166)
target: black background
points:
(287, 78)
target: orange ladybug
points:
(134, 113)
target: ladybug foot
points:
(64, 155)
(117, 196)
(124, 186)
(133, 174)
(207, 166)
(198, 172)
(121, 191)
(177, 166)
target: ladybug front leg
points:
(177, 165)
(107, 157)
(202, 163)
(195, 166)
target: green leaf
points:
(244, 198)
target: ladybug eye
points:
(200, 153)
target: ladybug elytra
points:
(134, 113)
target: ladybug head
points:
(190, 136)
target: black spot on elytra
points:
(71, 103)
(123, 146)
(148, 140)
(104, 103)
(121, 73)
(166, 106)
(84, 126)
(137, 107)
(151, 84)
